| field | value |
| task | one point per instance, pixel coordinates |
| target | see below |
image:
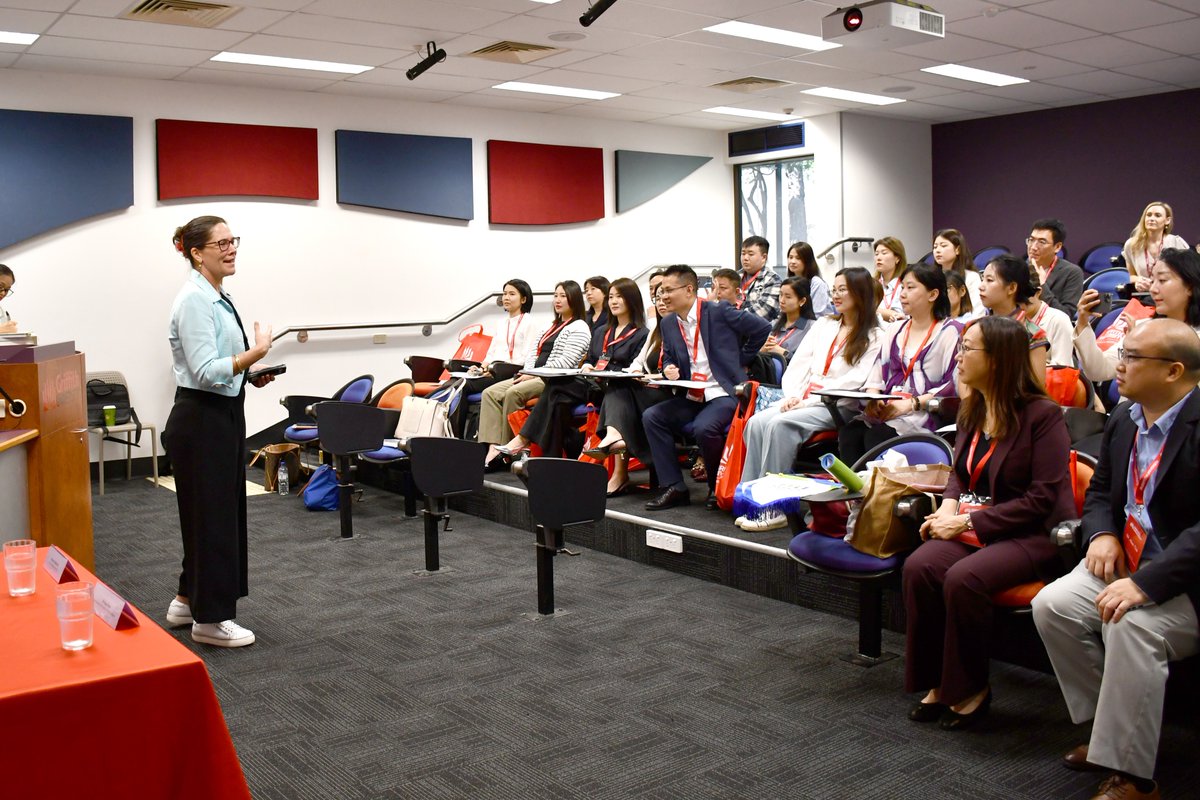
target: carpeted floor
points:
(370, 680)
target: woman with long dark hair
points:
(563, 344)
(1010, 485)
(595, 296)
(837, 354)
(509, 345)
(951, 253)
(205, 435)
(1175, 290)
(613, 348)
(1006, 288)
(916, 360)
(802, 263)
(795, 318)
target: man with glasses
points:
(1062, 281)
(701, 341)
(7, 279)
(1130, 606)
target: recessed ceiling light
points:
(12, 37)
(564, 91)
(762, 33)
(898, 89)
(566, 36)
(750, 112)
(854, 97)
(290, 63)
(974, 75)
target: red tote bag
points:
(733, 457)
(473, 345)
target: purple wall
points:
(1093, 166)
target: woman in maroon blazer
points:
(1009, 487)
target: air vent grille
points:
(932, 23)
(516, 52)
(181, 12)
(751, 84)
(762, 140)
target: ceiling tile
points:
(589, 80)
(632, 16)
(1027, 64)
(333, 29)
(7, 59)
(124, 30)
(721, 8)
(811, 74)
(84, 66)
(1108, 16)
(635, 102)
(1103, 82)
(690, 54)
(1179, 71)
(509, 101)
(954, 48)
(432, 80)
(496, 71)
(604, 111)
(970, 101)
(410, 13)
(288, 82)
(262, 44)
(1042, 93)
(39, 5)
(22, 21)
(1020, 29)
(1103, 52)
(1178, 37)
(628, 67)
(536, 30)
(118, 51)
(392, 91)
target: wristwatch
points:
(970, 524)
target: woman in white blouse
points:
(1146, 242)
(950, 252)
(890, 260)
(837, 353)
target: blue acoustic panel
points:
(60, 168)
(644, 176)
(402, 172)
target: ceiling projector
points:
(883, 23)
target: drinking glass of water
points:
(75, 612)
(20, 563)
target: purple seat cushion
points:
(301, 435)
(475, 399)
(385, 455)
(831, 553)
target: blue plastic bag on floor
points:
(321, 493)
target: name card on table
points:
(59, 566)
(113, 609)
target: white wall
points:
(108, 282)
(887, 180)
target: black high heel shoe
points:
(954, 721)
(927, 712)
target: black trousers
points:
(550, 421)
(624, 404)
(205, 438)
(858, 437)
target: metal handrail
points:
(847, 240)
(426, 326)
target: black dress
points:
(624, 403)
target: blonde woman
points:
(1148, 239)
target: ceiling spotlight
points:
(594, 11)
(433, 55)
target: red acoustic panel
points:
(203, 159)
(543, 184)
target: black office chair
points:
(441, 468)
(348, 429)
(562, 493)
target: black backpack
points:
(100, 394)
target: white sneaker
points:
(222, 634)
(179, 613)
(768, 522)
(741, 521)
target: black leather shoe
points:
(953, 721)
(669, 499)
(927, 712)
(710, 503)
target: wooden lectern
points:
(49, 380)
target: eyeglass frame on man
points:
(1124, 357)
(5, 291)
(224, 244)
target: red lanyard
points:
(1040, 315)
(786, 336)
(833, 352)
(512, 340)
(1141, 479)
(1050, 269)
(978, 471)
(695, 338)
(1019, 315)
(629, 332)
(920, 347)
(746, 284)
(891, 299)
(550, 334)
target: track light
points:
(433, 55)
(593, 13)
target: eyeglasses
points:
(964, 349)
(1125, 356)
(223, 244)
(663, 291)
(5, 291)
(1039, 242)
(840, 290)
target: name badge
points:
(813, 386)
(697, 394)
(113, 609)
(602, 364)
(59, 566)
(1133, 541)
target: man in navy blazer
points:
(1131, 605)
(702, 341)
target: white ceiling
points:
(654, 52)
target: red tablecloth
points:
(133, 716)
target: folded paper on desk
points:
(113, 609)
(58, 565)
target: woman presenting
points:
(206, 432)
(1009, 487)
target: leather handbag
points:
(429, 416)
(877, 531)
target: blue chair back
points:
(1107, 280)
(1106, 320)
(918, 448)
(927, 259)
(1100, 257)
(1114, 395)
(357, 390)
(982, 257)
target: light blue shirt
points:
(204, 336)
(1149, 441)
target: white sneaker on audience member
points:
(222, 634)
(741, 521)
(766, 522)
(179, 613)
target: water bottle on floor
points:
(281, 479)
